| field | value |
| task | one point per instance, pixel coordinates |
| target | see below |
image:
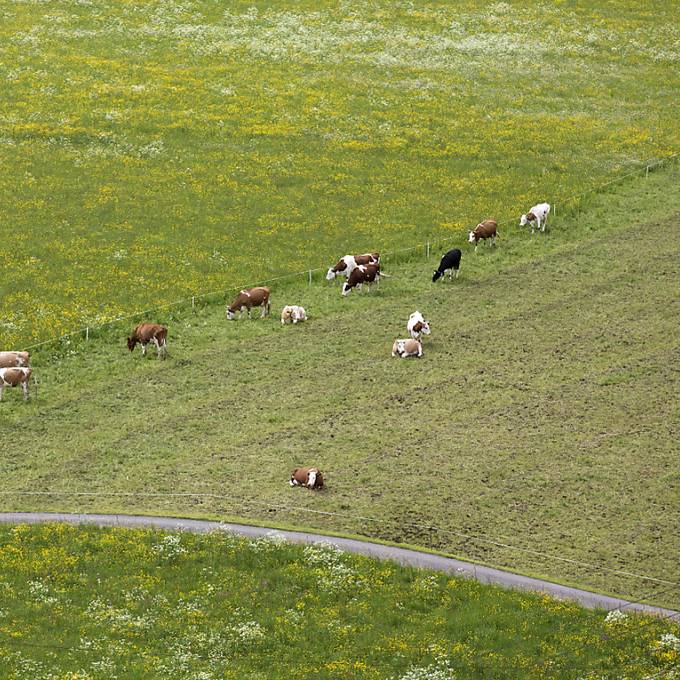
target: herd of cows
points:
(358, 270)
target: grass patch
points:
(101, 603)
(542, 415)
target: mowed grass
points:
(97, 604)
(543, 415)
(159, 149)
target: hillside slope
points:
(543, 414)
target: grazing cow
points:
(12, 359)
(417, 326)
(150, 332)
(349, 263)
(309, 477)
(537, 216)
(12, 377)
(293, 314)
(450, 261)
(483, 231)
(407, 348)
(365, 273)
(249, 298)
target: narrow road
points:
(411, 558)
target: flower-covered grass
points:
(155, 149)
(98, 604)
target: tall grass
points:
(91, 604)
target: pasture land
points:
(98, 604)
(543, 416)
(160, 148)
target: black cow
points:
(450, 261)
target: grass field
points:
(158, 149)
(543, 414)
(88, 604)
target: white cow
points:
(417, 326)
(537, 216)
(293, 314)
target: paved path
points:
(404, 556)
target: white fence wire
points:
(84, 332)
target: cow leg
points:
(143, 349)
(2, 388)
(476, 244)
(457, 270)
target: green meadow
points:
(153, 150)
(92, 604)
(538, 432)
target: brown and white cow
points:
(309, 477)
(249, 298)
(483, 231)
(147, 333)
(417, 326)
(11, 359)
(365, 273)
(293, 314)
(346, 265)
(538, 215)
(13, 377)
(408, 347)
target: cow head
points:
(523, 221)
(330, 274)
(230, 313)
(131, 343)
(425, 328)
(436, 276)
(471, 237)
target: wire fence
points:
(563, 205)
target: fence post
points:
(428, 250)
(193, 302)
(310, 277)
(646, 172)
(87, 333)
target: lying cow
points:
(249, 298)
(13, 377)
(346, 265)
(407, 348)
(293, 314)
(12, 359)
(368, 274)
(309, 477)
(450, 261)
(537, 216)
(417, 326)
(147, 333)
(483, 231)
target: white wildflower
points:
(669, 641)
(170, 546)
(614, 617)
